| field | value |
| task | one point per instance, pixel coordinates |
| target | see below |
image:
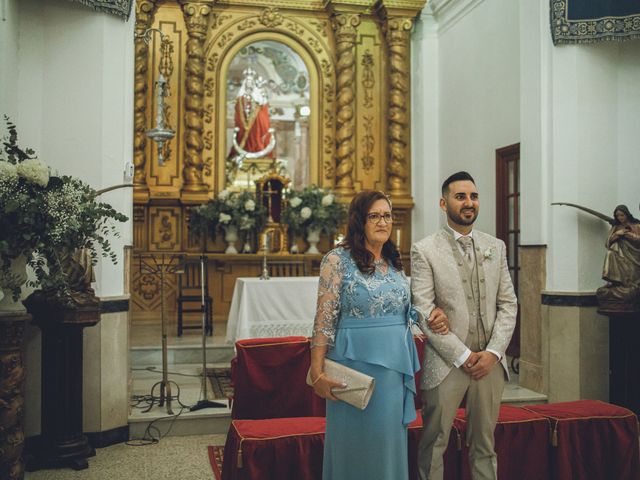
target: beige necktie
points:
(467, 247)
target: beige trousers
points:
(439, 410)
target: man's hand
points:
(438, 321)
(479, 369)
(470, 362)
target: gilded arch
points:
(309, 39)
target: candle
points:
(398, 238)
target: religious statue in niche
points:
(253, 137)
(268, 98)
(621, 268)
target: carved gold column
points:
(398, 32)
(145, 10)
(197, 16)
(344, 26)
(12, 374)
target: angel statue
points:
(621, 268)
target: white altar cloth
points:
(278, 307)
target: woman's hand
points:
(438, 322)
(322, 386)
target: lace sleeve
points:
(328, 309)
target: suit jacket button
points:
(459, 264)
(482, 280)
(468, 296)
(482, 297)
(464, 280)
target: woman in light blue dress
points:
(363, 321)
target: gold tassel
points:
(239, 459)
(554, 436)
(458, 440)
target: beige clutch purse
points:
(359, 386)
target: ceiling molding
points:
(449, 12)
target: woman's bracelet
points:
(317, 379)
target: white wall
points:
(71, 95)
(475, 69)
(425, 136)
(75, 97)
(580, 105)
(8, 58)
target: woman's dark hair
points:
(624, 209)
(355, 238)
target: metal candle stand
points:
(204, 402)
(149, 265)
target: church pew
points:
(592, 440)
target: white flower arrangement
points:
(34, 171)
(8, 171)
(327, 200)
(488, 253)
(228, 209)
(313, 208)
(48, 219)
(305, 213)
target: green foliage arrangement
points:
(313, 208)
(235, 209)
(47, 218)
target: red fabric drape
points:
(274, 449)
(258, 136)
(522, 445)
(595, 440)
(269, 379)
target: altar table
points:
(278, 307)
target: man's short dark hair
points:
(456, 177)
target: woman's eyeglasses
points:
(377, 217)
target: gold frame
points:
(319, 64)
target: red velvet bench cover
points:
(592, 440)
(274, 449)
(269, 379)
(292, 448)
(522, 444)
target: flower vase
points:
(313, 237)
(17, 277)
(231, 237)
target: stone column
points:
(344, 26)
(145, 10)
(398, 32)
(197, 16)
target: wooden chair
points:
(189, 296)
(287, 268)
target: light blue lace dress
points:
(364, 320)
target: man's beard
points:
(460, 220)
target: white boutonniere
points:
(488, 253)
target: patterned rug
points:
(220, 382)
(215, 457)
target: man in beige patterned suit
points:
(464, 272)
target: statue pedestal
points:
(624, 368)
(61, 442)
(12, 376)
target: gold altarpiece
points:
(357, 54)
